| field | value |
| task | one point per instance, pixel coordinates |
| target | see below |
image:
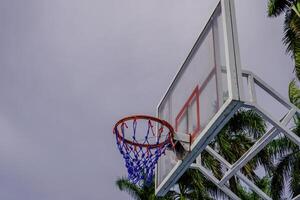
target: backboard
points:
(204, 93)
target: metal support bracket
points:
(279, 126)
(184, 139)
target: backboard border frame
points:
(231, 105)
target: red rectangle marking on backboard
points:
(194, 95)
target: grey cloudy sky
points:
(70, 68)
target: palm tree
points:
(287, 168)
(286, 152)
(147, 192)
(288, 155)
(291, 38)
(264, 184)
(192, 185)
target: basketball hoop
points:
(141, 145)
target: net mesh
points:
(142, 153)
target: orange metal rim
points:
(145, 117)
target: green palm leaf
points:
(291, 26)
(295, 175)
(294, 93)
(133, 190)
(281, 173)
(276, 7)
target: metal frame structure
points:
(278, 127)
(235, 101)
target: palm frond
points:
(281, 173)
(223, 146)
(276, 7)
(289, 36)
(263, 159)
(243, 194)
(125, 185)
(191, 185)
(296, 7)
(296, 130)
(295, 175)
(212, 164)
(247, 121)
(279, 147)
(297, 64)
(294, 93)
(295, 24)
(233, 145)
(265, 185)
(233, 184)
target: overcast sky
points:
(70, 68)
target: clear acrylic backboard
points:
(204, 93)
